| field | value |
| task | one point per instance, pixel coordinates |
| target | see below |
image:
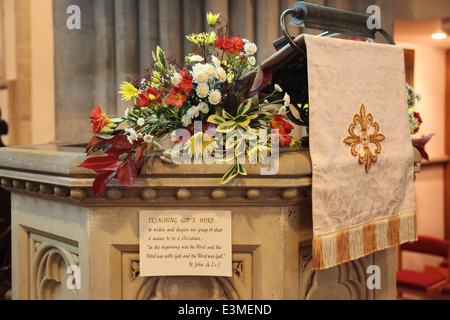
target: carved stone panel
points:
(343, 282)
(52, 276)
(135, 287)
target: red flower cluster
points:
(178, 95)
(419, 120)
(98, 119)
(284, 128)
(150, 98)
(232, 46)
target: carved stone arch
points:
(346, 281)
(182, 288)
(46, 270)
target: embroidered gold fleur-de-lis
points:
(365, 138)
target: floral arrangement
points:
(414, 117)
(216, 97)
(415, 121)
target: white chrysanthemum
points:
(203, 107)
(193, 112)
(250, 48)
(215, 97)
(199, 67)
(200, 77)
(252, 61)
(221, 74)
(140, 122)
(148, 138)
(216, 61)
(209, 70)
(176, 79)
(283, 110)
(196, 58)
(185, 120)
(202, 90)
(278, 88)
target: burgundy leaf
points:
(121, 142)
(102, 180)
(99, 163)
(420, 145)
(95, 144)
(127, 173)
(260, 81)
(141, 153)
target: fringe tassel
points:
(341, 247)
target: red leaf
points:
(141, 153)
(102, 180)
(260, 81)
(121, 142)
(420, 145)
(99, 163)
(95, 144)
(127, 173)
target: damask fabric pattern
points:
(361, 150)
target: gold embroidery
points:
(366, 123)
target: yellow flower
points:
(128, 91)
(295, 143)
(202, 38)
(212, 18)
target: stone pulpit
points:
(57, 223)
(325, 225)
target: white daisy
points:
(278, 88)
(287, 100)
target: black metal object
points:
(318, 17)
(331, 21)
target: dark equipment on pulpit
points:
(293, 77)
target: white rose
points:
(252, 61)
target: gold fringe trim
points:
(353, 243)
